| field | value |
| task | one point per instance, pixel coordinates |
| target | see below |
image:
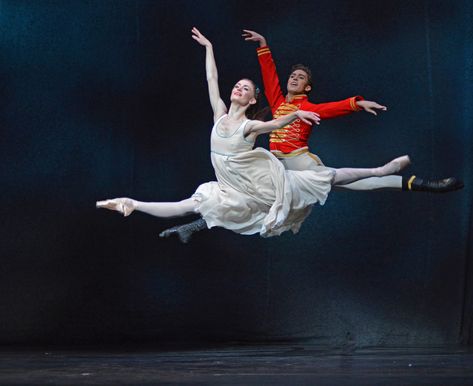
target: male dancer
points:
(290, 144)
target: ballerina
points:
(253, 192)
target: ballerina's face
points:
(243, 92)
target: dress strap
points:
(243, 125)
(218, 120)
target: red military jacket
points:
(291, 139)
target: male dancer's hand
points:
(253, 36)
(370, 106)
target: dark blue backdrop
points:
(108, 98)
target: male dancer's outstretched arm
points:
(275, 95)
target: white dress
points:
(253, 192)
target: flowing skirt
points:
(255, 194)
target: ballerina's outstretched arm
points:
(216, 102)
(125, 205)
(343, 175)
(255, 128)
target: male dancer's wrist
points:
(354, 102)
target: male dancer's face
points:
(298, 83)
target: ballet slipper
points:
(125, 206)
(402, 161)
(393, 166)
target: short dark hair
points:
(307, 70)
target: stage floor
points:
(237, 365)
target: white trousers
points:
(309, 161)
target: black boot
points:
(435, 186)
(184, 232)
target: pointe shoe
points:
(394, 166)
(125, 206)
(402, 161)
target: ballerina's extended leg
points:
(159, 209)
(348, 175)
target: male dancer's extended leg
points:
(308, 161)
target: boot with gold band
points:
(445, 185)
(185, 231)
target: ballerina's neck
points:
(237, 112)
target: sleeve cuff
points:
(262, 50)
(353, 101)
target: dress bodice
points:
(229, 144)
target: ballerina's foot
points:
(125, 206)
(394, 166)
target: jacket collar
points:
(298, 98)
